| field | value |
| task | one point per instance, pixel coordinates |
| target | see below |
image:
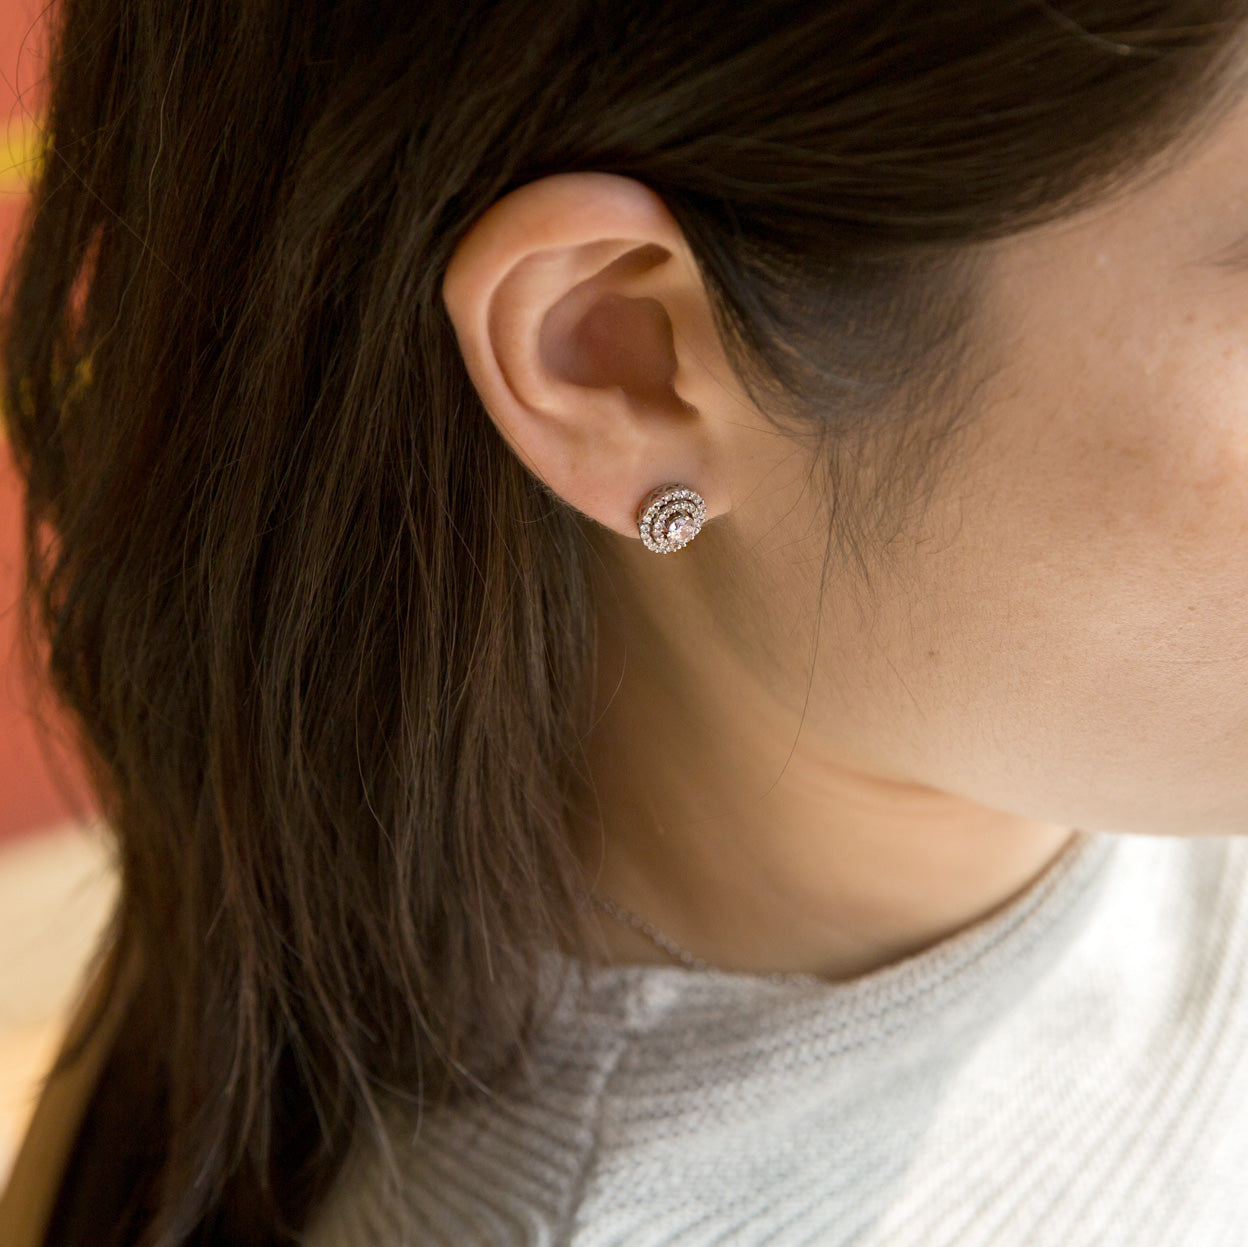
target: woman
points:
(656, 596)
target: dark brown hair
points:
(330, 645)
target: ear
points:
(587, 332)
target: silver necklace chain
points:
(665, 942)
(650, 931)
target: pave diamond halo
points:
(670, 517)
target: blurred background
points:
(56, 879)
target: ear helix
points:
(670, 517)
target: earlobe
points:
(566, 297)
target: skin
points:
(1054, 640)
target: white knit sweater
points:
(1070, 1072)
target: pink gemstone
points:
(680, 528)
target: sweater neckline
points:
(997, 954)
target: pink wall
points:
(34, 792)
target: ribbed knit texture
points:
(1070, 1072)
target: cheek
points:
(1087, 639)
(1067, 637)
(1135, 482)
(1117, 431)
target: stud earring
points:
(670, 517)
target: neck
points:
(750, 842)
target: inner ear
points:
(598, 337)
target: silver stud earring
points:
(670, 517)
